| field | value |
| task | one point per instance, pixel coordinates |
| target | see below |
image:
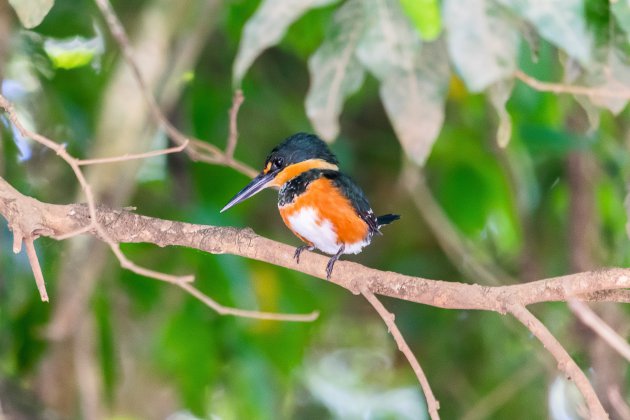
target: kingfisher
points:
(322, 206)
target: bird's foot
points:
(299, 250)
(332, 261)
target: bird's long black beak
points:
(257, 184)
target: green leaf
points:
(425, 16)
(414, 101)
(31, 12)
(593, 113)
(611, 75)
(413, 85)
(389, 42)
(377, 35)
(267, 27)
(561, 22)
(335, 71)
(482, 42)
(74, 52)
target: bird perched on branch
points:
(321, 205)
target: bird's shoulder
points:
(343, 183)
(355, 195)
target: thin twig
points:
(237, 101)
(559, 88)
(184, 283)
(101, 231)
(131, 266)
(37, 269)
(125, 158)
(565, 362)
(80, 231)
(600, 327)
(224, 310)
(618, 403)
(432, 404)
(197, 149)
(17, 240)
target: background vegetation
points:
(496, 183)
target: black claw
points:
(332, 261)
(299, 250)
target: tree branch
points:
(600, 327)
(559, 88)
(237, 101)
(196, 149)
(124, 158)
(619, 403)
(432, 404)
(24, 217)
(565, 362)
(37, 270)
(123, 226)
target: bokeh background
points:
(112, 344)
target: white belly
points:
(321, 232)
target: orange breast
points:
(331, 205)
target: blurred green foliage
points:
(505, 202)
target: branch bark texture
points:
(30, 216)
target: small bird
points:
(321, 205)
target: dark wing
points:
(356, 196)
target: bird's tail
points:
(386, 219)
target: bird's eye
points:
(277, 163)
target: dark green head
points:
(299, 148)
(295, 155)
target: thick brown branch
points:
(34, 218)
(123, 226)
